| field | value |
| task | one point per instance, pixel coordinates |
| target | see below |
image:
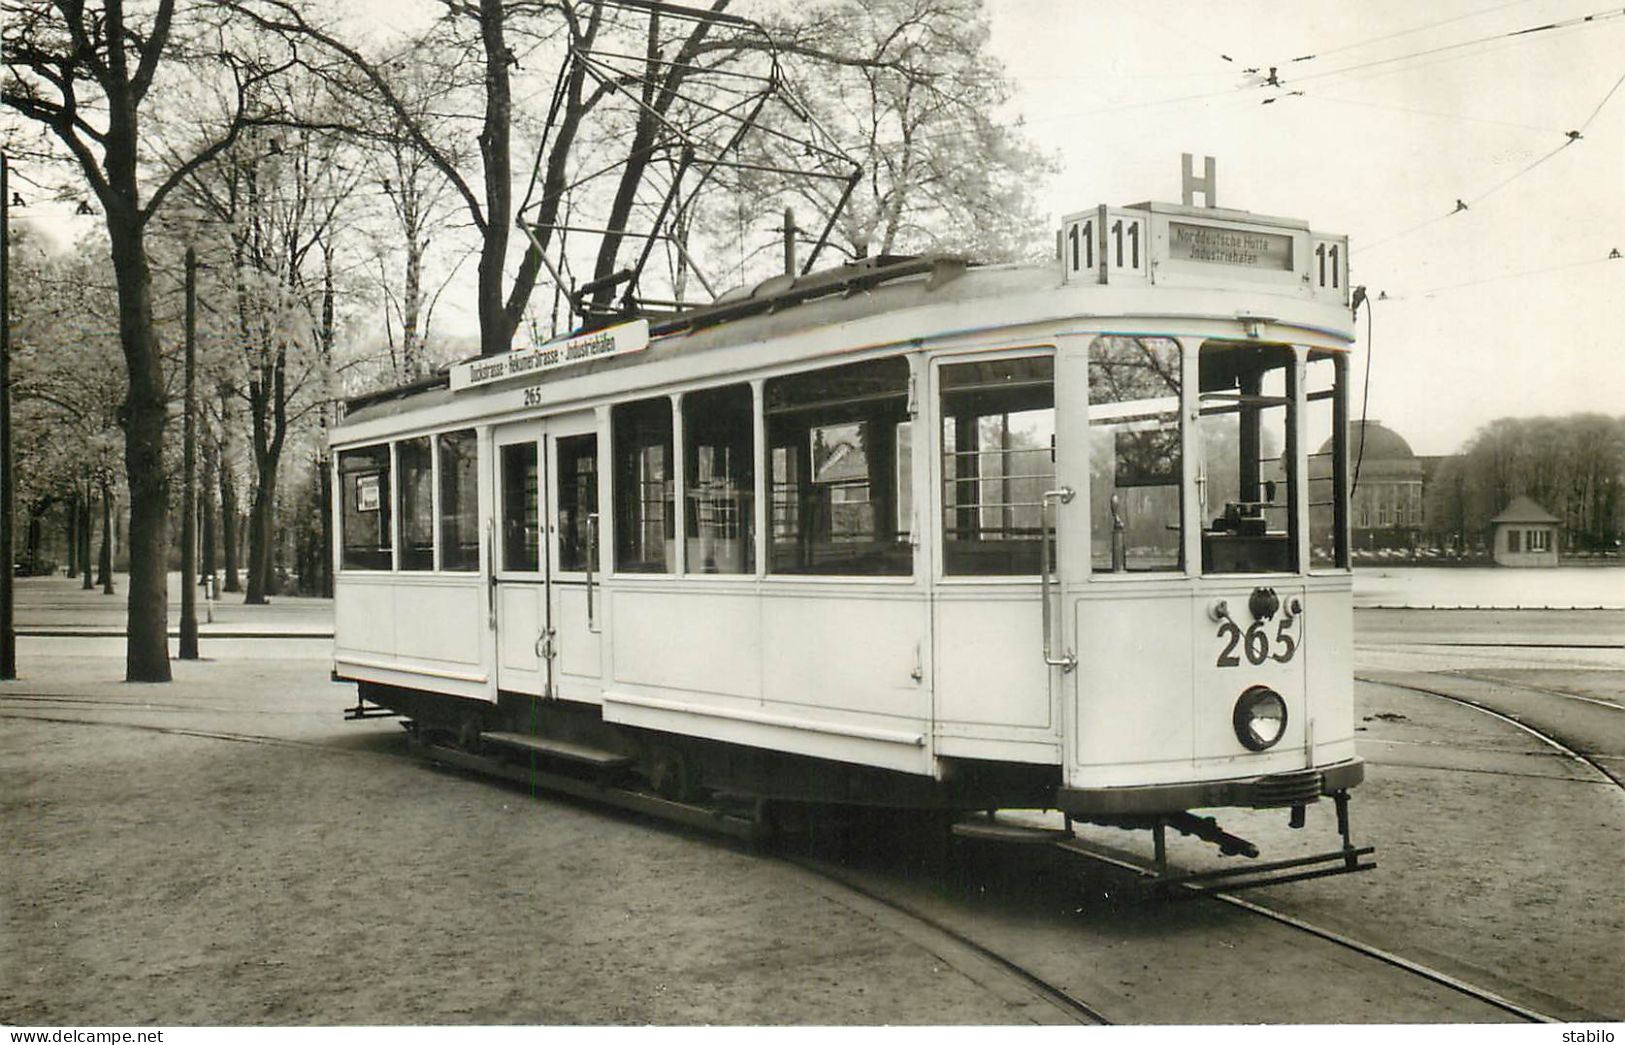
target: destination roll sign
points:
(528, 362)
(1229, 246)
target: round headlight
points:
(1260, 718)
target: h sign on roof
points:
(1207, 185)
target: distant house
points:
(1525, 535)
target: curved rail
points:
(1426, 972)
(1048, 991)
(1492, 680)
(1540, 735)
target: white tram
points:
(908, 532)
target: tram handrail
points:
(1067, 661)
(592, 557)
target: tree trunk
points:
(105, 566)
(411, 305)
(206, 488)
(84, 541)
(496, 331)
(324, 493)
(71, 527)
(36, 537)
(228, 496)
(144, 414)
(324, 551)
(261, 538)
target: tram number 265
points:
(1255, 643)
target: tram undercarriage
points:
(756, 794)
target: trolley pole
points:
(188, 648)
(8, 477)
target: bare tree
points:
(941, 173)
(86, 72)
(634, 108)
(277, 195)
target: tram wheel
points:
(832, 831)
(468, 735)
(672, 774)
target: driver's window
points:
(1246, 452)
(1135, 463)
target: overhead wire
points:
(1596, 18)
(1573, 136)
(1587, 263)
(1323, 52)
(1463, 117)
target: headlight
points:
(1260, 718)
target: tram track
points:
(262, 739)
(1495, 681)
(1343, 941)
(1067, 1000)
(1033, 980)
(1053, 994)
(1566, 746)
(1073, 1009)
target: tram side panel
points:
(428, 635)
(993, 697)
(826, 671)
(1328, 631)
(1135, 720)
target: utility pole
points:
(8, 477)
(188, 648)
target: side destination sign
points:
(1254, 250)
(527, 362)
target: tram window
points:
(416, 489)
(644, 521)
(521, 548)
(832, 437)
(578, 499)
(1245, 482)
(459, 500)
(998, 458)
(1135, 457)
(719, 461)
(1327, 443)
(364, 498)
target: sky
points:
(1509, 308)
(1505, 309)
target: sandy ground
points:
(155, 875)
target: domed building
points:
(1385, 511)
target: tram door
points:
(548, 642)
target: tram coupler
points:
(1208, 830)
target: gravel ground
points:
(1498, 860)
(224, 850)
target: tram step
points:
(558, 749)
(985, 830)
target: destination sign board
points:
(555, 355)
(1229, 246)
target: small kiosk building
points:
(1525, 535)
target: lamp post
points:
(8, 478)
(188, 644)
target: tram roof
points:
(855, 292)
(774, 307)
